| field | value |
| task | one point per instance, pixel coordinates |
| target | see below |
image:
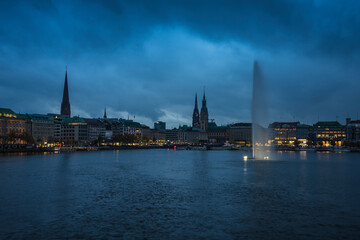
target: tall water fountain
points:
(259, 114)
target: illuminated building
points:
(57, 118)
(240, 133)
(95, 128)
(194, 135)
(122, 126)
(217, 134)
(328, 133)
(283, 133)
(42, 127)
(74, 130)
(12, 123)
(174, 135)
(65, 104)
(302, 134)
(154, 135)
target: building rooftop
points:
(73, 120)
(302, 126)
(328, 124)
(93, 121)
(7, 112)
(39, 117)
(240, 125)
(283, 124)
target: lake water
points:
(166, 194)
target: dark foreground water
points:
(165, 194)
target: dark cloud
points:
(148, 58)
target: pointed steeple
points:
(65, 104)
(196, 104)
(204, 115)
(196, 120)
(203, 106)
(105, 113)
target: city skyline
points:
(152, 63)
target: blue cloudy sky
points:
(148, 58)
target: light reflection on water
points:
(161, 194)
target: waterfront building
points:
(204, 115)
(217, 134)
(131, 127)
(353, 130)
(329, 133)
(57, 118)
(303, 134)
(95, 129)
(240, 133)
(65, 104)
(154, 135)
(174, 136)
(196, 116)
(159, 125)
(42, 127)
(74, 130)
(283, 133)
(194, 135)
(13, 124)
(122, 126)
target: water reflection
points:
(303, 155)
(180, 194)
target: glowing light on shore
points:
(245, 158)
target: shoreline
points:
(17, 149)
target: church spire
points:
(196, 105)
(203, 106)
(196, 120)
(204, 94)
(204, 115)
(105, 113)
(65, 104)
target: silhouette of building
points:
(204, 115)
(105, 117)
(196, 120)
(159, 125)
(65, 104)
(353, 130)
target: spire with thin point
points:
(204, 115)
(105, 113)
(196, 120)
(65, 104)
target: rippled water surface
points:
(165, 194)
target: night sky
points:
(148, 58)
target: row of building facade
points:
(63, 128)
